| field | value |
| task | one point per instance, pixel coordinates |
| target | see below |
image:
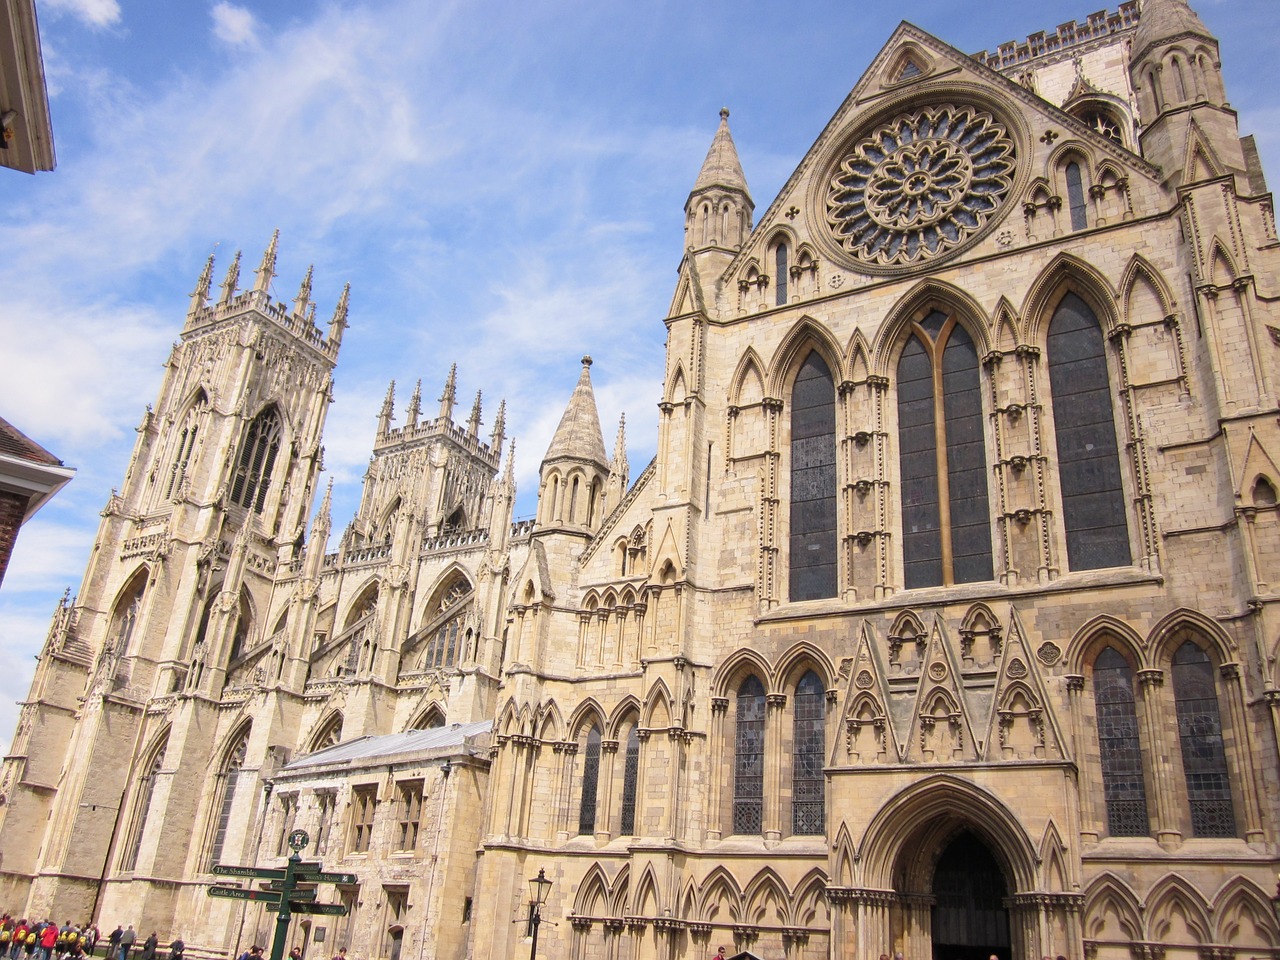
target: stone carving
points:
(920, 185)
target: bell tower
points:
(214, 501)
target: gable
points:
(930, 158)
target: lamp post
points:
(539, 887)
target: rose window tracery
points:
(920, 184)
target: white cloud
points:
(96, 13)
(233, 25)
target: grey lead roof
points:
(435, 740)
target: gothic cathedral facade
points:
(944, 621)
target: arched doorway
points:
(969, 919)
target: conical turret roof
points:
(1164, 20)
(722, 167)
(579, 436)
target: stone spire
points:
(450, 393)
(578, 437)
(499, 433)
(266, 271)
(414, 410)
(473, 421)
(718, 211)
(320, 527)
(302, 302)
(1163, 21)
(339, 321)
(388, 410)
(232, 280)
(200, 297)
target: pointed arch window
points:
(128, 610)
(1123, 781)
(1088, 455)
(256, 462)
(142, 806)
(630, 773)
(781, 264)
(590, 781)
(225, 797)
(187, 437)
(748, 758)
(1204, 759)
(813, 482)
(1075, 197)
(946, 521)
(807, 757)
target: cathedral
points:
(945, 620)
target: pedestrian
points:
(340, 955)
(94, 935)
(127, 940)
(113, 942)
(253, 953)
(48, 939)
(295, 953)
(176, 949)
(149, 947)
(19, 938)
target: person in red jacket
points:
(48, 939)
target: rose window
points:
(920, 185)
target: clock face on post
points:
(920, 185)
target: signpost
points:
(283, 889)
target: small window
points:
(1075, 197)
(409, 815)
(364, 802)
(288, 815)
(781, 265)
(326, 802)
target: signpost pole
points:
(297, 840)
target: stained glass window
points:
(1075, 197)
(257, 460)
(946, 521)
(229, 777)
(1088, 455)
(813, 482)
(780, 275)
(142, 807)
(1204, 761)
(590, 780)
(630, 770)
(808, 753)
(748, 779)
(1123, 783)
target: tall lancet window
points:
(946, 522)
(813, 481)
(1123, 782)
(1204, 758)
(781, 276)
(748, 758)
(225, 796)
(1075, 197)
(257, 460)
(142, 806)
(590, 781)
(630, 774)
(1088, 455)
(187, 437)
(807, 755)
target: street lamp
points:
(539, 887)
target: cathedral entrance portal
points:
(970, 921)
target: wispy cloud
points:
(234, 25)
(96, 13)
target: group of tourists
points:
(44, 940)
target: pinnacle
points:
(722, 168)
(579, 436)
(1164, 20)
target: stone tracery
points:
(921, 184)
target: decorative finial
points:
(586, 361)
(339, 321)
(724, 113)
(303, 300)
(232, 281)
(473, 421)
(200, 298)
(415, 405)
(267, 269)
(450, 393)
(388, 409)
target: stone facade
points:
(944, 620)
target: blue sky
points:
(501, 182)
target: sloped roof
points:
(722, 168)
(15, 443)
(1166, 20)
(362, 750)
(579, 435)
